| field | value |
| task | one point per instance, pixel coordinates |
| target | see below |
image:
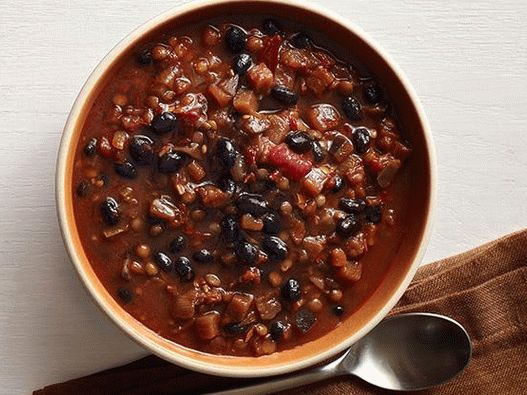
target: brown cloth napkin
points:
(484, 289)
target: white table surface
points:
(467, 61)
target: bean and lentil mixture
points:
(230, 184)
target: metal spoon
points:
(405, 353)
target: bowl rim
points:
(62, 210)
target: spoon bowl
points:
(407, 352)
(410, 352)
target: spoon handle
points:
(280, 383)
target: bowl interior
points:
(418, 176)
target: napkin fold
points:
(485, 289)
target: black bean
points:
(184, 269)
(299, 142)
(339, 184)
(82, 189)
(144, 57)
(277, 330)
(338, 310)
(171, 161)
(252, 203)
(284, 95)
(271, 27)
(242, 63)
(372, 93)
(301, 40)
(373, 214)
(110, 211)
(164, 261)
(361, 140)
(351, 108)
(352, 206)
(304, 320)
(164, 123)
(230, 229)
(203, 256)
(141, 149)
(348, 226)
(235, 38)
(290, 290)
(272, 223)
(177, 244)
(318, 152)
(275, 248)
(125, 295)
(126, 170)
(90, 148)
(226, 152)
(235, 328)
(246, 252)
(227, 185)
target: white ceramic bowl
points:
(410, 252)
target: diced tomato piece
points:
(293, 123)
(275, 176)
(271, 52)
(105, 147)
(250, 155)
(330, 183)
(292, 165)
(191, 116)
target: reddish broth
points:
(240, 204)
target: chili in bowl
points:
(244, 194)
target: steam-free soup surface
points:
(238, 188)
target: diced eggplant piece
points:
(245, 102)
(254, 124)
(238, 307)
(341, 148)
(295, 58)
(319, 80)
(212, 196)
(304, 321)
(386, 175)
(279, 126)
(208, 325)
(230, 85)
(314, 181)
(183, 306)
(260, 78)
(314, 245)
(221, 97)
(268, 307)
(297, 230)
(323, 117)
